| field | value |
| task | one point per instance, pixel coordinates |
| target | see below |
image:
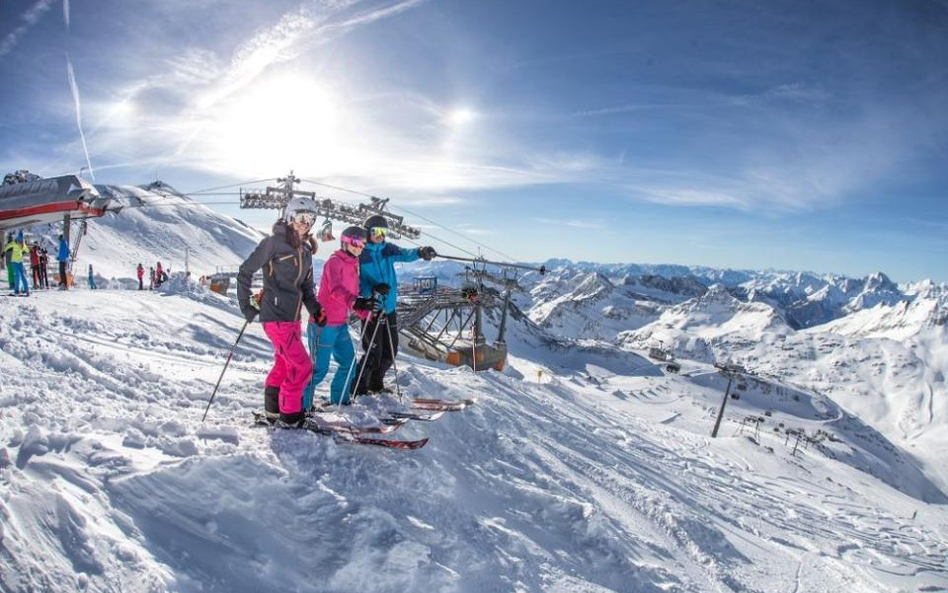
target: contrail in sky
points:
(66, 13)
(75, 97)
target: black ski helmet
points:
(374, 222)
(353, 233)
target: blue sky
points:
(783, 134)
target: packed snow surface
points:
(577, 470)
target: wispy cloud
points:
(470, 229)
(30, 18)
(796, 92)
(286, 39)
(574, 223)
(66, 13)
(631, 108)
(75, 97)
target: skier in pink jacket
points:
(338, 295)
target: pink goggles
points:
(353, 241)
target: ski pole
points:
(391, 348)
(480, 260)
(365, 327)
(313, 349)
(229, 356)
(365, 356)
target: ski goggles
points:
(307, 218)
(378, 231)
(354, 242)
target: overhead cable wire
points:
(407, 211)
(201, 191)
(179, 205)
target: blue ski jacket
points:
(63, 251)
(377, 266)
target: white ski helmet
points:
(301, 210)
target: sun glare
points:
(460, 116)
(286, 122)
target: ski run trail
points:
(592, 478)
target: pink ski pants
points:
(292, 366)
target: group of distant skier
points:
(156, 276)
(16, 253)
(357, 278)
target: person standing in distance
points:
(63, 258)
(287, 266)
(377, 277)
(44, 263)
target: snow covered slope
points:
(155, 223)
(593, 479)
(887, 365)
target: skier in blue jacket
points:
(63, 258)
(377, 280)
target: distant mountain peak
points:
(879, 281)
(162, 188)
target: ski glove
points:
(367, 304)
(253, 306)
(381, 288)
(319, 318)
(427, 253)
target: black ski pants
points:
(378, 355)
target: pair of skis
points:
(350, 433)
(440, 405)
(422, 409)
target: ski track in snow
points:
(590, 481)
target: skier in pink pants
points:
(287, 266)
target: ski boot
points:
(271, 403)
(293, 420)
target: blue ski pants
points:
(20, 278)
(334, 341)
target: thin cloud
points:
(31, 16)
(630, 108)
(574, 223)
(75, 97)
(285, 40)
(794, 92)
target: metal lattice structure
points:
(276, 198)
(446, 323)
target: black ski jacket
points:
(287, 277)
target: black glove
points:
(381, 288)
(427, 253)
(319, 318)
(250, 313)
(367, 304)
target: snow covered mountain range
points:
(875, 347)
(584, 466)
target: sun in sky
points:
(288, 119)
